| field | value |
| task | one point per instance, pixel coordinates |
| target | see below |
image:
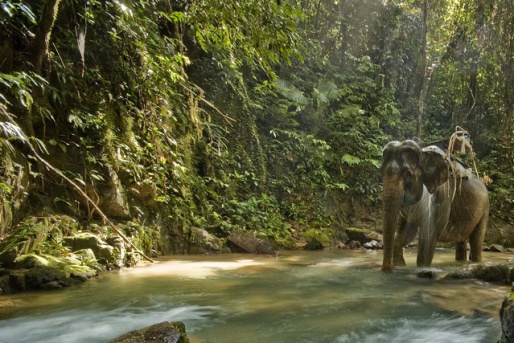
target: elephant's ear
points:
(434, 168)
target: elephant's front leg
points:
(460, 251)
(398, 258)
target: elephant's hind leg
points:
(460, 251)
(476, 239)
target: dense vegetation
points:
(267, 116)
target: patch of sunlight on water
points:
(188, 269)
(297, 296)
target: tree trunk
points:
(421, 97)
(43, 33)
(39, 49)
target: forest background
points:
(266, 116)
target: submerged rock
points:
(427, 274)
(463, 274)
(165, 332)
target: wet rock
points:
(427, 274)
(374, 245)
(496, 248)
(52, 285)
(5, 284)
(8, 258)
(165, 332)
(239, 241)
(463, 274)
(362, 235)
(41, 275)
(313, 244)
(496, 273)
(507, 320)
(17, 280)
(354, 245)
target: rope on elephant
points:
(460, 140)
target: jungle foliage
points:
(265, 116)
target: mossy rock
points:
(496, 273)
(287, 243)
(41, 275)
(29, 261)
(313, 235)
(81, 272)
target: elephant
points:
(424, 192)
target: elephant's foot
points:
(399, 261)
(460, 251)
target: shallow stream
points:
(296, 296)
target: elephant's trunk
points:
(392, 202)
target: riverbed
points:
(295, 296)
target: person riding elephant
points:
(425, 192)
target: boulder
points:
(165, 332)
(202, 242)
(30, 261)
(313, 244)
(507, 320)
(374, 245)
(8, 258)
(496, 273)
(5, 284)
(39, 276)
(362, 235)
(496, 248)
(239, 241)
(113, 201)
(354, 245)
(104, 253)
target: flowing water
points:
(328, 296)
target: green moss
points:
(318, 235)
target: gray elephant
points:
(425, 192)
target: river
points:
(296, 296)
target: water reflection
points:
(330, 296)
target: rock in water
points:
(507, 320)
(165, 332)
(239, 241)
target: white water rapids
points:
(329, 296)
